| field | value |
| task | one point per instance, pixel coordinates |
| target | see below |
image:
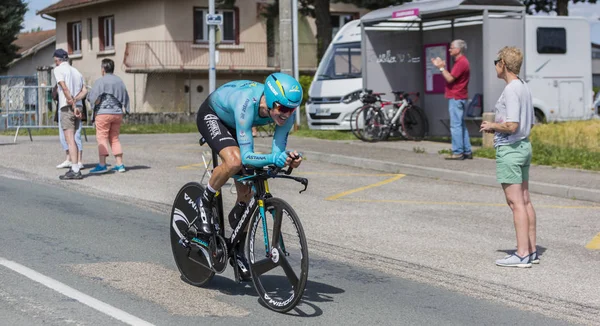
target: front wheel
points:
(191, 259)
(277, 253)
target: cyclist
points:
(225, 121)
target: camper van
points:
(557, 68)
(337, 84)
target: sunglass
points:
(284, 109)
(496, 61)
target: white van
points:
(333, 94)
(558, 69)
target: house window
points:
(106, 32)
(89, 25)
(552, 40)
(229, 29)
(339, 20)
(74, 37)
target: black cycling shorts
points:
(216, 134)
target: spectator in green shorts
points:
(513, 123)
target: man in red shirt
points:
(457, 84)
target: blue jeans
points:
(461, 143)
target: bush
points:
(305, 81)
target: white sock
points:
(75, 168)
(211, 189)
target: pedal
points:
(184, 243)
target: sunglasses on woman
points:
(284, 109)
(496, 61)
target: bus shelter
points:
(398, 43)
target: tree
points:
(36, 29)
(319, 9)
(561, 7)
(12, 13)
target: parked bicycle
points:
(378, 119)
(279, 270)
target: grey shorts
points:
(68, 121)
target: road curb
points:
(569, 192)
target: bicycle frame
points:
(260, 188)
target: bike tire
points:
(182, 214)
(374, 127)
(414, 123)
(355, 122)
(279, 257)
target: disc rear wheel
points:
(191, 258)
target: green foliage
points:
(12, 13)
(374, 4)
(561, 7)
(305, 81)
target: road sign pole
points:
(211, 49)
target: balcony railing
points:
(185, 55)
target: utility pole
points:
(295, 49)
(285, 37)
(288, 41)
(211, 50)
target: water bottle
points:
(236, 214)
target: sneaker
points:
(514, 261)
(70, 175)
(468, 156)
(99, 169)
(81, 166)
(456, 157)
(118, 168)
(64, 165)
(534, 258)
(203, 221)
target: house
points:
(35, 50)
(160, 47)
(596, 64)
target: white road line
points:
(72, 293)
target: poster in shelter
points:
(434, 80)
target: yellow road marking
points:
(455, 203)
(595, 243)
(351, 174)
(191, 166)
(381, 183)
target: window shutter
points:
(101, 33)
(236, 25)
(70, 38)
(112, 31)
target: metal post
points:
(211, 50)
(295, 48)
(285, 37)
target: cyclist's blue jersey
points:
(237, 105)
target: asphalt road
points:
(91, 252)
(413, 235)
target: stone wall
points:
(160, 118)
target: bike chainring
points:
(218, 253)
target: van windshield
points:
(342, 61)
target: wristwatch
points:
(442, 69)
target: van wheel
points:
(539, 117)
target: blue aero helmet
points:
(283, 89)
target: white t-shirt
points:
(73, 80)
(514, 105)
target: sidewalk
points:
(407, 157)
